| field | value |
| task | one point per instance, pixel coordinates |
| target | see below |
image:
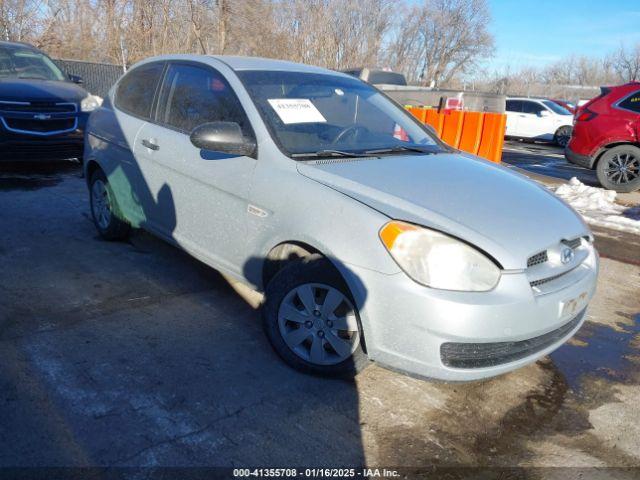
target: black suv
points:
(42, 110)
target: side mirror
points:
(76, 79)
(223, 137)
(543, 113)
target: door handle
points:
(150, 144)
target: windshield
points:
(559, 109)
(23, 62)
(309, 113)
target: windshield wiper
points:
(400, 148)
(332, 153)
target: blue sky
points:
(539, 32)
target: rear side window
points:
(193, 95)
(632, 102)
(136, 89)
(532, 107)
(514, 106)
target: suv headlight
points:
(90, 103)
(438, 260)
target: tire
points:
(286, 320)
(562, 136)
(104, 210)
(619, 169)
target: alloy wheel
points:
(623, 168)
(563, 136)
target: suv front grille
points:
(37, 107)
(41, 126)
(39, 118)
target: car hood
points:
(501, 212)
(28, 90)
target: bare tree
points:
(626, 62)
(433, 39)
(20, 20)
(440, 39)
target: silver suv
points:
(370, 238)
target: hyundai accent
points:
(370, 238)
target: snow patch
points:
(598, 206)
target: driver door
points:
(210, 190)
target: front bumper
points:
(581, 160)
(410, 328)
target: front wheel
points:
(104, 209)
(619, 169)
(562, 136)
(311, 319)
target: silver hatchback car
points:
(371, 239)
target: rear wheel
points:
(311, 320)
(562, 136)
(104, 210)
(619, 169)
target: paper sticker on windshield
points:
(296, 110)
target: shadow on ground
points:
(117, 354)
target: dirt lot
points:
(134, 354)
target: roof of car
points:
(258, 63)
(239, 63)
(4, 43)
(528, 98)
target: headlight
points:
(90, 103)
(437, 260)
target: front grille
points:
(542, 281)
(481, 355)
(37, 107)
(537, 259)
(543, 257)
(40, 126)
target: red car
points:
(606, 137)
(568, 106)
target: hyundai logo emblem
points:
(41, 116)
(566, 256)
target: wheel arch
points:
(282, 254)
(601, 151)
(562, 126)
(90, 166)
(291, 250)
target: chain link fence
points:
(97, 77)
